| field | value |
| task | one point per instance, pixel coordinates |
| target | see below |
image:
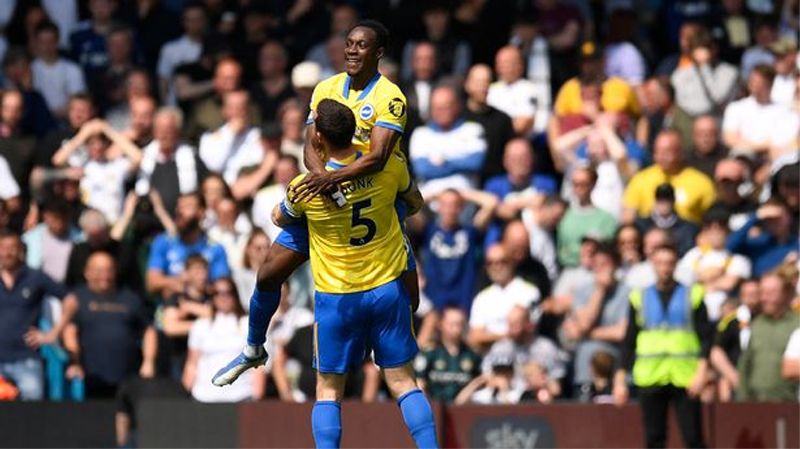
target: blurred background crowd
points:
(143, 144)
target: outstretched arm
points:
(382, 140)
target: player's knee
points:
(400, 380)
(330, 387)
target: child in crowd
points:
(712, 265)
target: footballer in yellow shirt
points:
(358, 257)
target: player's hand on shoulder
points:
(314, 184)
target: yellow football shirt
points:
(616, 96)
(694, 192)
(381, 103)
(359, 246)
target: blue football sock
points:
(262, 306)
(418, 416)
(326, 424)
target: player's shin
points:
(326, 424)
(262, 307)
(418, 415)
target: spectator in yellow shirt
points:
(694, 191)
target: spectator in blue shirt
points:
(88, 40)
(451, 251)
(517, 188)
(22, 294)
(168, 253)
(448, 152)
(767, 238)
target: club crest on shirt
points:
(366, 112)
(397, 107)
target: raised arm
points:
(62, 155)
(382, 140)
(128, 148)
(487, 203)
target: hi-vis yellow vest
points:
(667, 346)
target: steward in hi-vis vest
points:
(666, 347)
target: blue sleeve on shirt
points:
(52, 287)
(218, 265)
(738, 240)
(472, 163)
(545, 183)
(636, 152)
(582, 152)
(424, 169)
(158, 254)
(498, 186)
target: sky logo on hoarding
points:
(518, 432)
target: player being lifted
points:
(358, 256)
(380, 114)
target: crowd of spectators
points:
(558, 145)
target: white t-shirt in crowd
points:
(641, 275)
(173, 54)
(698, 260)
(783, 88)
(266, 199)
(56, 82)
(103, 186)
(8, 185)
(756, 122)
(227, 154)
(491, 307)
(218, 342)
(543, 247)
(522, 98)
(793, 350)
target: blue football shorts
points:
(347, 326)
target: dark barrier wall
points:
(560, 425)
(171, 423)
(275, 424)
(54, 424)
(177, 423)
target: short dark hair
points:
(57, 206)
(552, 199)
(195, 259)
(15, 55)
(82, 96)
(608, 249)
(196, 195)
(380, 30)
(766, 71)
(10, 233)
(46, 26)
(667, 247)
(336, 123)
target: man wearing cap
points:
(694, 191)
(664, 217)
(616, 96)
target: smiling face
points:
(360, 52)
